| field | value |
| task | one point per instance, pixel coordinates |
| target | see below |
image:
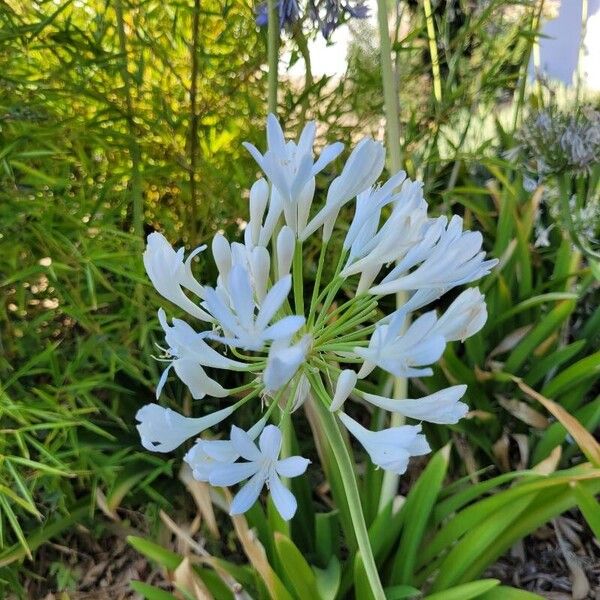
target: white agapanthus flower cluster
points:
(254, 318)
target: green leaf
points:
(546, 327)
(328, 580)
(400, 592)
(149, 592)
(166, 558)
(589, 507)
(503, 592)
(298, 573)
(417, 510)
(466, 591)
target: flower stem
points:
(317, 284)
(346, 467)
(298, 278)
(273, 54)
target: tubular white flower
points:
(283, 362)
(259, 196)
(205, 454)
(244, 329)
(262, 467)
(390, 448)
(285, 251)
(401, 354)
(290, 168)
(344, 386)
(442, 407)
(169, 273)
(455, 259)
(221, 251)
(464, 317)
(363, 168)
(371, 249)
(162, 429)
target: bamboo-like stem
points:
(433, 52)
(272, 54)
(390, 94)
(134, 147)
(392, 112)
(193, 132)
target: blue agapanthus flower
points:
(328, 15)
(288, 11)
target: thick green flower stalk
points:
(255, 320)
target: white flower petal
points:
(226, 474)
(283, 499)
(273, 301)
(293, 466)
(344, 386)
(441, 407)
(248, 495)
(162, 429)
(244, 445)
(270, 442)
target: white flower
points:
(390, 448)
(401, 354)
(205, 454)
(242, 327)
(291, 170)
(283, 362)
(344, 386)
(361, 171)
(262, 467)
(455, 259)
(442, 407)
(371, 248)
(169, 273)
(464, 317)
(162, 429)
(189, 351)
(289, 166)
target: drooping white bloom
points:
(361, 171)
(242, 327)
(169, 273)
(455, 259)
(283, 362)
(403, 354)
(464, 317)
(344, 386)
(263, 466)
(205, 454)
(390, 448)
(441, 407)
(370, 248)
(162, 429)
(189, 353)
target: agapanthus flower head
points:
(291, 342)
(553, 141)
